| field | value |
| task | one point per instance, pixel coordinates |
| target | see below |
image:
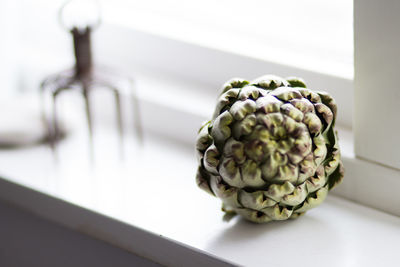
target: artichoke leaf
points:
(320, 150)
(220, 129)
(251, 174)
(255, 200)
(278, 213)
(317, 181)
(303, 104)
(291, 126)
(204, 139)
(225, 100)
(240, 109)
(336, 177)
(288, 172)
(229, 195)
(284, 146)
(271, 120)
(244, 127)
(313, 122)
(211, 159)
(234, 149)
(296, 82)
(307, 168)
(269, 168)
(268, 104)
(286, 93)
(297, 197)
(233, 83)
(302, 145)
(329, 101)
(312, 202)
(260, 133)
(269, 82)
(203, 180)
(249, 92)
(326, 113)
(255, 150)
(292, 112)
(230, 172)
(294, 157)
(276, 191)
(310, 95)
(333, 163)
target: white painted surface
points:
(377, 93)
(22, 124)
(155, 191)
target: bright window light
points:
(312, 34)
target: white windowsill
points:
(164, 200)
(155, 192)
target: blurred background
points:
(178, 52)
(312, 34)
(173, 43)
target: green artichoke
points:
(270, 151)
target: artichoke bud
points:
(270, 151)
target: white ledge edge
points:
(156, 248)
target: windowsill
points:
(155, 192)
(152, 207)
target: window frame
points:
(376, 86)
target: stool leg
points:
(85, 92)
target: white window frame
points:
(377, 66)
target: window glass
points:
(311, 34)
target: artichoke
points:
(270, 151)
